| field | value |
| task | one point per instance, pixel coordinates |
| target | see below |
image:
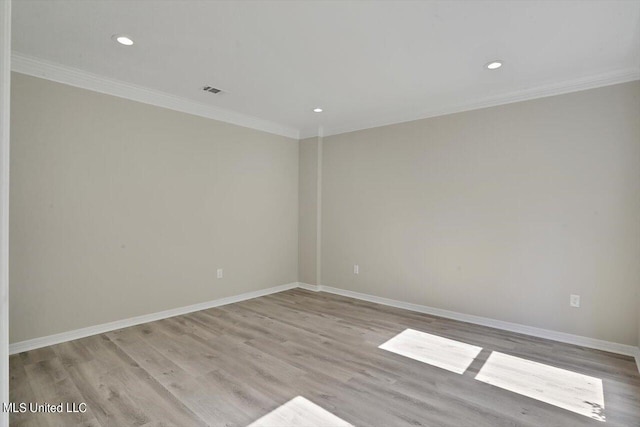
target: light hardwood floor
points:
(232, 365)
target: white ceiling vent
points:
(211, 89)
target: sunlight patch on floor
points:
(565, 389)
(300, 412)
(454, 356)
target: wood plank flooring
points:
(232, 365)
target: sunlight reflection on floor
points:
(300, 412)
(565, 389)
(454, 356)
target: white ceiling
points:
(366, 63)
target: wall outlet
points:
(574, 300)
(356, 269)
(219, 273)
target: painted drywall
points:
(120, 209)
(501, 212)
(5, 89)
(307, 199)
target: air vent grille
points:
(211, 89)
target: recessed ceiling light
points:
(494, 65)
(317, 110)
(122, 39)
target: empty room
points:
(320, 213)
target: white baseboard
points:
(314, 288)
(32, 344)
(612, 347)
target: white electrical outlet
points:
(574, 300)
(356, 269)
(219, 273)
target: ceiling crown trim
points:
(551, 89)
(75, 77)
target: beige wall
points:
(501, 212)
(120, 209)
(307, 198)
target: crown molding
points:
(543, 91)
(36, 67)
